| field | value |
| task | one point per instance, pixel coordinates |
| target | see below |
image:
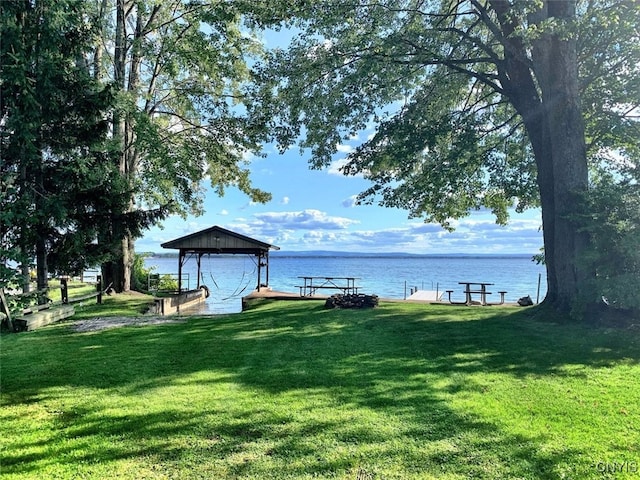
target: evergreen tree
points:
(59, 181)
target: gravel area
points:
(104, 323)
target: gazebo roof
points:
(219, 240)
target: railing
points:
(21, 302)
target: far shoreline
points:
(338, 254)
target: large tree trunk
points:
(549, 106)
(25, 274)
(538, 131)
(117, 272)
(42, 265)
(555, 63)
(42, 216)
(521, 88)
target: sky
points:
(315, 210)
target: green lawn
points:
(290, 390)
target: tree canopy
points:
(179, 73)
(114, 113)
(474, 103)
(179, 68)
(55, 165)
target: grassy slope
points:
(290, 390)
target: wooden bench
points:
(502, 294)
(481, 292)
(449, 292)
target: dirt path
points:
(104, 323)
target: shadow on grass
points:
(378, 383)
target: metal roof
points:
(219, 240)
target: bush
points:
(168, 283)
(140, 273)
(614, 252)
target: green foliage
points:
(168, 283)
(538, 258)
(614, 254)
(435, 81)
(447, 141)
(175, 111)
(180, 71)
(9, 277)
(473, 104)
(59, 171)
(609, 49)
(182, 95)
(140, 273)
(63, 191)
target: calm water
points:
(229, 278)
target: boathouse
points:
(219, 241)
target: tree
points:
(476, 103)
(51, 124)
(178, 67)
(612, 222)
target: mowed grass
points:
(290, 390)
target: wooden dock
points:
(267, 293)
(426, 296)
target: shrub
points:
(614, 251)
(140, 273)
(168, 283)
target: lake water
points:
(230, 277)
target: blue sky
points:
(314, 210)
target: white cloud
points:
(251, 203)
(336, 165)
(249, 157)
(317, 239)
(223, 212)
(344, 148)
(309, 219)
(471, 237)
(313, 229)
(284, 201)
(350, 202)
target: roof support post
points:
(259, 255)
(199, 259)
(180, 262)
(263, 261)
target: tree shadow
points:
(397, 367)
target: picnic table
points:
(312, 284)
(478, 288)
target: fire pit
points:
(356, 300)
